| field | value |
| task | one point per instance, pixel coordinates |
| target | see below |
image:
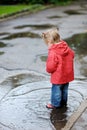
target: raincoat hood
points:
(61, 48)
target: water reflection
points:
(55, 16)
(22, 34)
(2, 44)
(1, 52)
(4, 33)
(35, 26)
(15, 81)
(43, 58)
(79, 43)
(72, 12)
(59, 117)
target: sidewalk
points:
(23, 108)
(78, 120)
(81, 123)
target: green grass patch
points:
(62, 3)
(12, 9)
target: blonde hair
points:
(51, 35)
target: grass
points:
(12, 9)
(64, 3)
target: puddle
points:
(59, 117)
(4, 33)
(35, 26)
(2, 44)
(23, 34)
(72, 12)
(1, 52)
(21, 79)
(43, 58)
(79, 43)
(55, 16)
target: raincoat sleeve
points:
(52, 62)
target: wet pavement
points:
(25, 107)
(78, 118)
(81, 123)
(24, 83)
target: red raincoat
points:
(60, 63)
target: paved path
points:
(78, 120)
(81, 123)
(24, 108)
(22, 102)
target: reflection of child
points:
(60, 65)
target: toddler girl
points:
(60, 65)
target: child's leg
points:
(56, 95)
(64, 94)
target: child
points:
(60, 65)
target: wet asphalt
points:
(24, 83)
